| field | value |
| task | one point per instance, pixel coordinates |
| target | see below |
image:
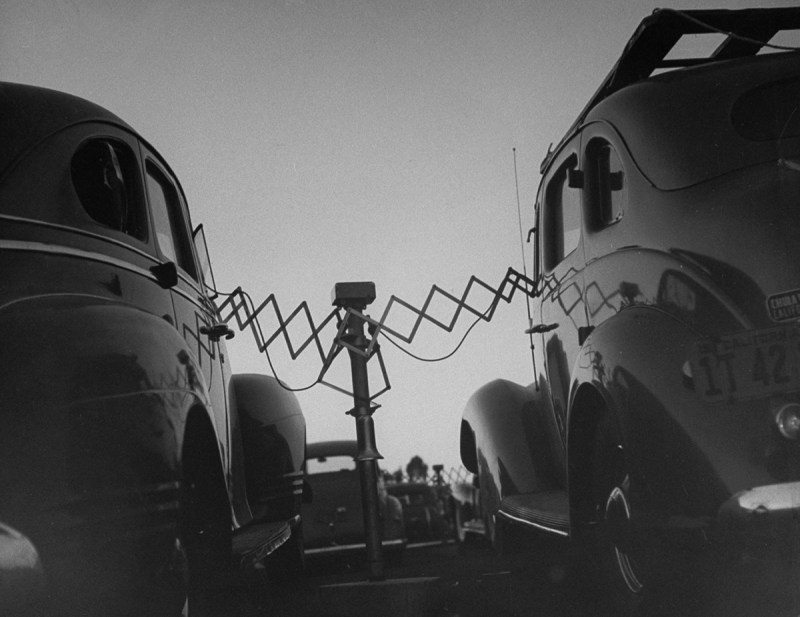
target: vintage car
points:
(333, 520)
(663, 425)
(135, 469)
(465, 510)
(425, 511)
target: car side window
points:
(605, 187)
(105, 176)
(172, 235)
(562, 216)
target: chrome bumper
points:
(763, 522)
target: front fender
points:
(269, 424)
(513, 440)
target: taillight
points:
(787, 417)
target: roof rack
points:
(746, 32)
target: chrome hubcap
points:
(618, 516)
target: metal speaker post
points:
(356, 296)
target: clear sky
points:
(329, 141)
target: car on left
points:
(136, 469)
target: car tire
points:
(508, 538)
(289, 560)
(205, 529)
(631, 568)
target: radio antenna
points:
(524, 268)
(519, 215)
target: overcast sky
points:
(329, 141)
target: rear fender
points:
(85, 378)
(631, 367)
(95, 398)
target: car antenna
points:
(524, 267)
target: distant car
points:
(333, 521)
(131, 459)
(662, 431)
(465, 511)
(424, 511)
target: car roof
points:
(647, 51)
(332, 448)
(30, 114)
(745, 32)
(660, 118)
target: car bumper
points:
(762, 523)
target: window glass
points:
(605, 182)
(171, 233)
(562, 218)
(201, 250)
(329, 464)
(105, 177)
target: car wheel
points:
(508, 538)
(208, 552)
(631, 566)
(289, 560)
(205, 529)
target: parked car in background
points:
(663, 427)
(334, 520)
(132, 460)
(466, 515)
(425, 511)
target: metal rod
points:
(367, 456)
(357, 296)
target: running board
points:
(254, 542)
(548, 511)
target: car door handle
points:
(166, 274)
(541, 328)
(217, 331)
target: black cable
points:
(446, 357)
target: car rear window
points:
(769, 112)
(105, 178)
(330, 464)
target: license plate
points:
(747, 364)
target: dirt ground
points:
(476, 582)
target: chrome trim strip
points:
(79, 231)
(89, 234)
(57, 249)
(555, 530)
(351, 547)
(428, 543)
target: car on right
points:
(662, 430)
